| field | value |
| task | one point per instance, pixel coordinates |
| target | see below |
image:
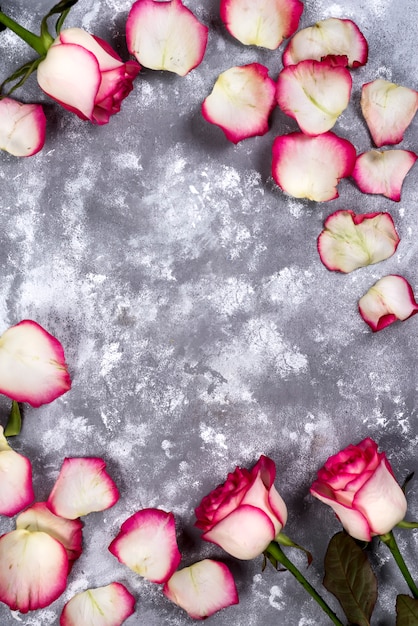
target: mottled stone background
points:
(200, 327)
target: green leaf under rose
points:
(406, 611)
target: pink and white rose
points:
(244, 514)
(359, 485)
(86, 76)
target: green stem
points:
(34, 41)
(405, 524)
(277, 553)
(390, 541)
(14, 423)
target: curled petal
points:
(333, 36)
(104, 606)
(388, 110)
(32, 365)
(165, 36)
(314, 93)
(147, 544)
(241, 101)
(353, 520)
(383, 172)
(350, 241)
(33, 570)
(83, 486)
(22, 127)
(311, 167)
(16, 490)
(261, 22)
(390, 299)
(202, 589)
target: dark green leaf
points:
(349, 577)
(61, 8)
(407, 480)
(22, 73)
(14, 424)
(406, 611)
(60, 21)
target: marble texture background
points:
(200, 327)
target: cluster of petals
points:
(389, 300)
(22, 127)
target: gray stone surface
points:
(200, 327)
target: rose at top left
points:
(86, 76)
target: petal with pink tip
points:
(33, 570)
(147, 544)
(165, 36)
(16, 490)
(390, 299)
(354, 522)
(22, 127)
(314, 93)
(241, 102)
(68, 532)
(104, 606)
(83, 486)
(383, 172)
(350, 241)
(202, 589)
(388, 110)
(333, 36)
(32, 365)
(261, 22)
(311, 167)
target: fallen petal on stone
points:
(104, 606)
(390, 299)
(383, 172)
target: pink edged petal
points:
(390, 299)
(202, 589)
(353, 521)
(71, 76)
(165, 36)
(347, 242)
(333, 36)
(241, 102)
(83, 486)
(33, 570)
(147, 544)
(104, 606)
(16, 490)
(382, 499)
(22, 127)
(314, 93)
(246, 521)
(68, 532)
(311, 167)
(32, 365)
(388, 110)
(383, 172)
(105, 55)
(261, 22)
(264, 495)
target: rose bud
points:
(244, 514)
(86, 76)
(359, 485)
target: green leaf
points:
(284, 540)
(22, 73)
(406, 611)
(407, 480)
(14, 423)
(62, 8)
(349, 577)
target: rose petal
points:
(22, 127)
(261, 22)
(104, 606)
(33, 570)
(104, 54)
(350, 241)
(383, 172)
(68, 532)
(241, 101)
(311, 167)
(83, 486)
(147, 544)
(165, 36)
(264, 495)
(32, 365)
(202, 589)
(332, 36)
(16, 490)
(390, 299)
(388, 110)
(314, 93)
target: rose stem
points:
(390, 541)
(34, 41)
(277, 553)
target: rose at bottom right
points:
(359, 485)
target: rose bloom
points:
(359, 485)
(246, 513)
(86, 76)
